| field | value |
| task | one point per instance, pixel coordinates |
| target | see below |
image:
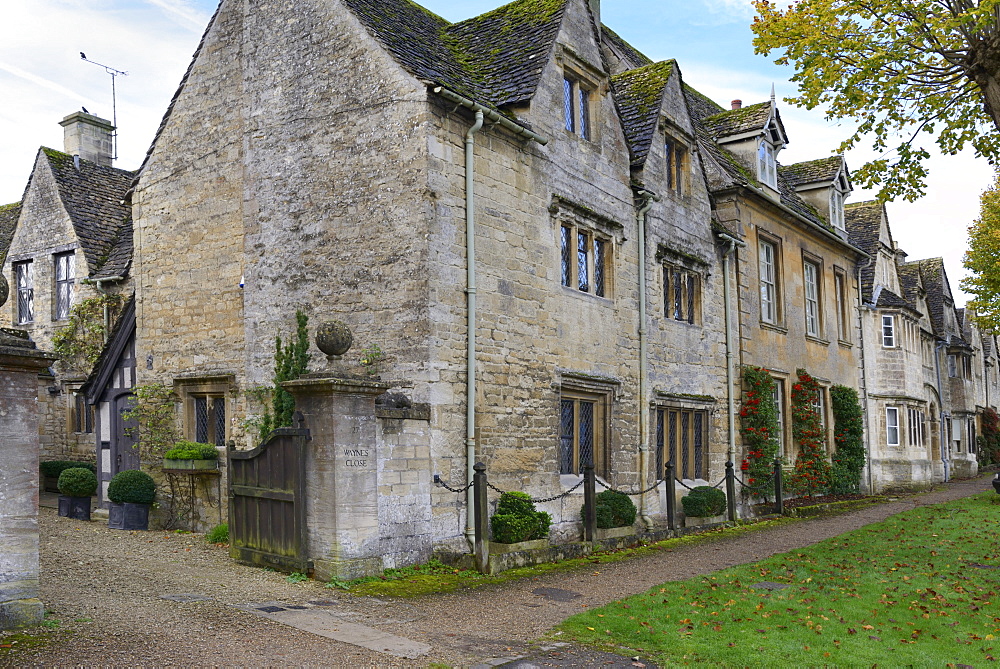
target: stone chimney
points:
(736, 104)
(89, 137)
(595, 9)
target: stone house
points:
(68, 240)
(795, 267)
(903, 399)
(565, 252)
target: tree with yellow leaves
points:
(983, 261)
(901, 69)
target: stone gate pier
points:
(20, 365)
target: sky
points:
(43, 79)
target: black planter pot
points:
(74, 507)
(128, 516)
(996, 484)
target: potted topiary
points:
(704, 502)
(51, 469)
(131, 492)
(76, 485)
(614, 511)
(191, 456)
(517, 520)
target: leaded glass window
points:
(24, 277)
(65, 284)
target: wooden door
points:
(124, 455)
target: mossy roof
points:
(813, 171)
(495, 58)
(731, 122)
(935, 281)
(638, 95)
(863, 221)
(92, 197)
(9, 213)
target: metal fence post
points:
(731, 490)
(671, 495)
(589, 503)
(779, 499)
(482, 522)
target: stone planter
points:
(497, 548)
(698, 521)
(77, 508)
(190, 465)
(128, 516)
(602, 533)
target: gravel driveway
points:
(106, 587)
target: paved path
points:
(169, 599)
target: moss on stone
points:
(645, 85)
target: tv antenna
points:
(114, 105)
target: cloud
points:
(183, 13)
(730, 11)
(45, 83)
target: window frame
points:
(779, 403)
(64, 284)
(212, 389)
(889, 338)
(840, 296)
(600, 401)
(686, 283)
(812, 294)
(24, 285)
(675, 164)
(681, 442)
(767, 163)
(837, 219)
(585, 260)
(891, 425)
(771, 285)
(578, 103)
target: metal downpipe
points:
(730, 346)
(648, 199)
(470, 291)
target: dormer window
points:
(837, 209)
(767, 167)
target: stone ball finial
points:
(4, 290)
(334, 338)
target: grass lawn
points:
(921, 588)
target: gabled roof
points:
(9, 213)
(495, 58)
(813, 171)
(638, 95)
(122, 331)
(863, 221)
(909, 281)
(890, 300)
(935, 282)
(633, 56)
(92, 196)
(730, 122)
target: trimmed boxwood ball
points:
(77, 482)
(132, 486)
(613, 509)
(703, 502)
(54, 468)
(516, 519)
(191, 450)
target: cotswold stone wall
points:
(19, 368)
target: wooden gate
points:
(267, 501)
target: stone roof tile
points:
(812, 171)
(9, 213)
(731, 122)
(92, 196)
(863, 221)
(638, 95)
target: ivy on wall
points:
(759, 430)
(155, 427)
(80, 342)
(848, 434)
(812, 471)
